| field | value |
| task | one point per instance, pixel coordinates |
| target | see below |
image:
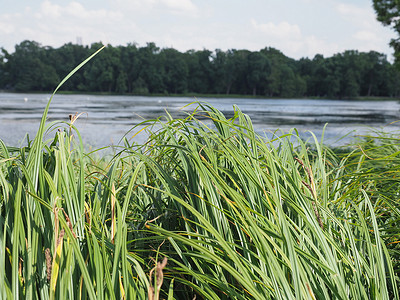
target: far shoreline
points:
(217, 96)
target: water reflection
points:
(106, 119)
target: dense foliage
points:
(151, 70)
(388, 13)
(225, 213)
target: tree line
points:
(147, 70)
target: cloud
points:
(289, 39)
(6, 28)
(190, 24)
(49, 10)
(314, 45)
(350, 9)
(179, 6)
(56, 23)
(360, 16)
(282, 29)
(364, 35)
(75, 10)
(366, 32)
(165, 7)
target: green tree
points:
(374, 74)
(276, 59)
(258, 71)
(239, 60)
(150, 69)
(326, 77)
(393, 81)
(291, 84)
(305, 67)
(350, 87)
(29, 68)
(4, 55)
(175, 71)
(284, 79)
(121, 82)
(200, 71)
(101, 74)
(388, 13)
(223, 71)
(350, 66)
(130, 64)
(65, 59)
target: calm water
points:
(106, 119)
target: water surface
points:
(106, 119)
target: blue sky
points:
(299, 28)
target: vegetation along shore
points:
(204, 209)
(149, 70)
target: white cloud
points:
(365, 32)
(364, 35)
(190, 24)
(137, 7)
(6, 28)
(50, 10)
(350, 9)
(282, 29)
(313, 46)
(360, 16)
(56, 24)
(75, 10)
(180, 6)
(289, 39)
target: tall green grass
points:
(204, 209)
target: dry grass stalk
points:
(69, 223)
(60, 237)
(154, 294)
(311, 188)
(47, 254)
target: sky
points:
(298, 28)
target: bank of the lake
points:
(207, 96)
(224, 96)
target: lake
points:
(106, 119)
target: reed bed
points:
(204, 209)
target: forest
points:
(151, 70)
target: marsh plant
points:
(204, 209)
